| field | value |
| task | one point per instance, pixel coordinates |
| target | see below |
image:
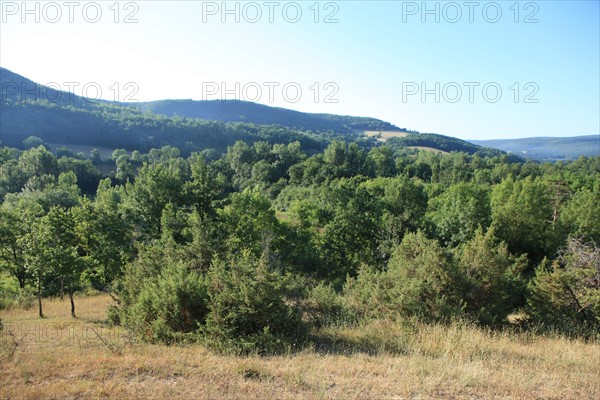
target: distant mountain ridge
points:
(547, 148)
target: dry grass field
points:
(62, 358)
(382, 136)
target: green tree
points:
(125, 170)
(87, 175)
(155, 187)
(167, 306)
(344, 160)
(16, 224)
(61, 251)
(581, 215)
(136, 156)
(37, 162)
(240, 158)
(104, 239)
(35, 261)
(404, 203)
(11, 178)
(352, 235)
(286, 156)
(118, 153)
(33, 141)
(249, 222)
(522, 215)
(95, 156)
(458, 212)
(382, 159)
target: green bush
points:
(12, 296)
(566, 294)
(324, 306)
(420, 282)
(493, 284)
(251, 310)
(113, 314)
(169, 306)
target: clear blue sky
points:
(377, 57)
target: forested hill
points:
(18, 89)
(245, 111)
(64, 119)
(31, 109)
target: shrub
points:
(493, 285)
(169, 306)
(420, 282)
(324, 306)
(566, 294)
(250, 309)
(12, 296)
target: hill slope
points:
(31, 109)
(440, 142)
(244, 111)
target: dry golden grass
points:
(382, 136)
(64, 359)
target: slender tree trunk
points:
(62, 287)
(41, 314)
(72, 305)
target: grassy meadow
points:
(64, 358)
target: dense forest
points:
(260, 246)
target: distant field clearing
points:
(382, 136)
(428, 149)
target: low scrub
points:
(250, 310)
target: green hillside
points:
(440, 142)
(244, 111)
(30, 109)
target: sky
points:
(469, 69)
